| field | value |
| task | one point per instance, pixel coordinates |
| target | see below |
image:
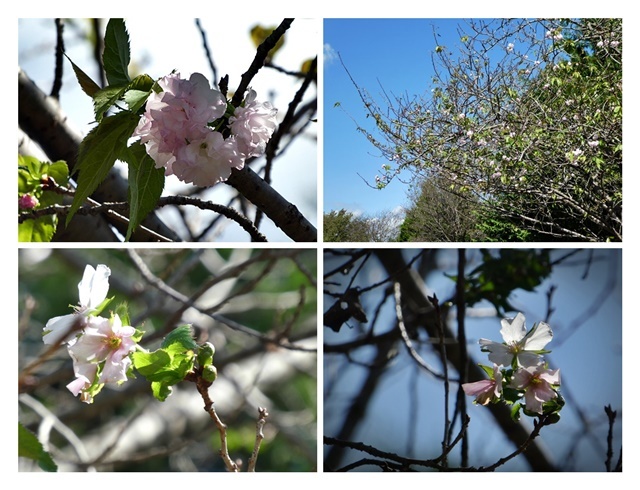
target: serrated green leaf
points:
(104, 99)
(143, 83)
(30, 447)
(116, 56)
(182, 336)
(146, 183)
(98, 152)
(87, 85)
(136, 99)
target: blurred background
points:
(377, 394)
(258, 308)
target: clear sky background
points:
(170, 43)
(587, 348)
(389, 54)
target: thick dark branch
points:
(41, 118)
(284, 214)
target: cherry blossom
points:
(485, 390)
(103, 348)
(519, 348)
(177, 129)
(92, 291)
(253, 125)
(538, 384)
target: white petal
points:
(499, 354)
(58, 329)
(540, 336)
(513, 329)
(94, 286)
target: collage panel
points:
(167, 360)
(474, 360)
(472, 130)
(127, 135)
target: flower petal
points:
(94, 286)
(539, 337)
(513, 329)
(499, 354)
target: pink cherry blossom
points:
(537, 383)
(102, 351)
(176, 120)
(177, 132)
(485, 390)
(253, 125)
(209, 160)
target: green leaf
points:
(87, 85)
(105, 98)
(160, 391)
(135, 99)
(30, 447)
(169, 364)
(98, 152)
(30, 173)
(487, 369)
(515, 412)
(146, 183)
(116, 54)
(155, 366)
(182, 336)
(41, 229)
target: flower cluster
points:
(99, 347)
(519, 370)
(184, 129)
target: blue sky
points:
(394, 54)
(589, 358)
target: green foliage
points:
(496, 228)
(34, 178)
(107, 142)
(30, 447)
(146, 183)
(503, 271)
(169, 364)
(342, 226)
(116, 56)
(439, 215)
(345, 226)
(98, 152)
(87, 85)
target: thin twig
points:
(262, 419)
(203, 388)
